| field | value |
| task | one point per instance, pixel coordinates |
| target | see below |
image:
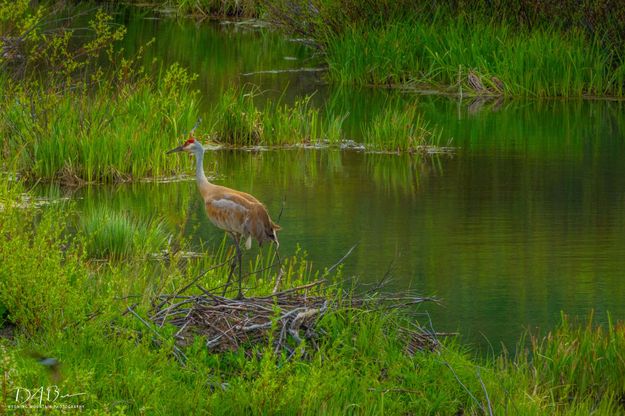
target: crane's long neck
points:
(200, 177)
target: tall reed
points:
(399, 128)
(104, 136)
(541, 62)
(239, 121)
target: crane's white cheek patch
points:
(248, 242)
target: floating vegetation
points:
(26, 201)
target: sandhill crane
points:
(238, 213)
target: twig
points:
(197, 123)
(398, 390)
(281, 208)
(296, 289)
(342, 258)
(195, 280)
(276, 286)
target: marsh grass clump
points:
(239, 122)
(400, 129)
(114, 235)
(542, 62)
(578, 360)
(524, 48)
(302, 121)
(107, 136)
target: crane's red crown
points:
(191, 140)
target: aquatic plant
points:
(107, 136)
(472, 58)
(115, 235)
(524, 48)
(238, 121)
(399, 128)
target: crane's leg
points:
(234, 263)
(239, 257)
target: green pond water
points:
(524, 220)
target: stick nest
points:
(288, 318)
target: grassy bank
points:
(513, 48)
(106, 135)
(117, 136)
(475, 58)
(362, 364)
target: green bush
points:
(42, 272)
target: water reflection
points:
(221, 53)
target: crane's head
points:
(191, 145)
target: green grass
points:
(541, 62)
(107, 136)
(516, 48)
(122, 136)
(399, 128)
(115, 235)
(361, 366)
(237, 121)
(580, 360)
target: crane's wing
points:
(242, 214)
(228, 214)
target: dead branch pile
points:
(287, 317)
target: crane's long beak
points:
(177, 149)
